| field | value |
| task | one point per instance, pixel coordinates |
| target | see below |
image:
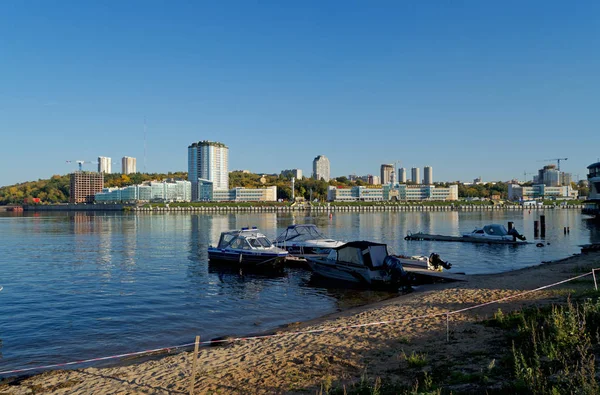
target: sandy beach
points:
(310, 362)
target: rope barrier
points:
(285, 334)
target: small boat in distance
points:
(247, 248)
(361, 263)
(305, 240)
(495, 232)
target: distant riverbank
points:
(284, 207)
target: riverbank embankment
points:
(441, 324)
(284, 209)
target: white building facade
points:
(321, 168)
(517, 192)
(208, 160)
(153, 191)
(128, 165)
(104, 165)
(401, 192)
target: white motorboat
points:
(431, 262)
(305, 240)
(494, 232)
(248, 248)
(361, 262)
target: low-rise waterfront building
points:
(401, 192)
(518, 192)
(153, 191)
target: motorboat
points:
(361, 263)
(431, 262)
(495, 232)
(247, 248)
(305, 240)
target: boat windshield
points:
(265, 242)
(259, 242)
(495, 230)
(301, 233)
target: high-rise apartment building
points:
(321, 169)
(128, 165)
(428, 175)
(84, 185)
(104, 165)
(208, 160)
(386, 173)
(402, 175)
(416, 175)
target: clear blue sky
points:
(471, 88)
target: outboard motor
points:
(394, 267)
(436, 261)
(516, 235)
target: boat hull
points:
(261, 259)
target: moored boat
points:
(494, 232)
(362, 263)
(305, 240)
(431, 262)
(247, 248)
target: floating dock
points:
(460, 239)
(444, 275)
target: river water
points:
(86, 285)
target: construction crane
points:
(525, 174)
(554, 159)
(81, 163)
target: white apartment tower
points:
(428, 176)
(128, 165)
(104, 165)
(321, 168)
(208, 160)
(416, 175)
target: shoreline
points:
(280, 364)
(267, 208)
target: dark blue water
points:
(80, 285)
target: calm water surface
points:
(83, 285)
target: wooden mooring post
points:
(194, 360)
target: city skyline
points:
(476, 89)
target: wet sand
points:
(301, 362)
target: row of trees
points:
(56, 189)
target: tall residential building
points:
(402, 175)
(84, 186)
(386, 173)
(549, 176)
(428, 176)
(321, 168)
(104, 165)
(416, 175)
(128, 165)
(208, 160)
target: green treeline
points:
(56, 189)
